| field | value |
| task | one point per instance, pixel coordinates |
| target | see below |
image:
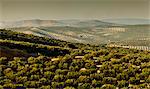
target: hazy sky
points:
(73, 9)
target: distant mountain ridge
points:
(128, 21)
(27, 23)
(73, 23)
(49, 23)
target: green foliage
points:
(78, 66)
(122, 83)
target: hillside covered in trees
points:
(28, 61)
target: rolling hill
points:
(92, 35)
(86, 31)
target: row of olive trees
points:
(69, 72)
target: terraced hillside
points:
(28, 61)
